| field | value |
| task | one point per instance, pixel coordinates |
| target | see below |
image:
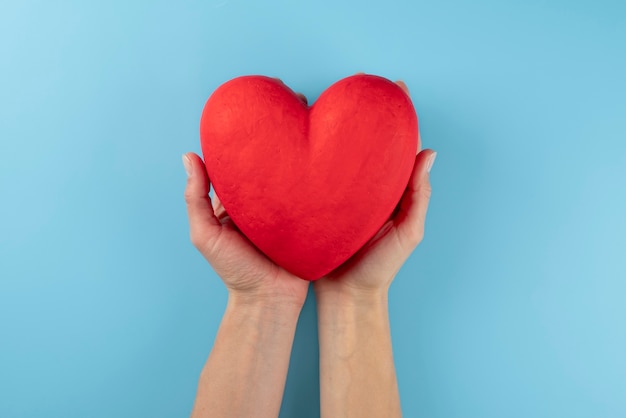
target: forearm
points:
(247, 368)
(357, 373)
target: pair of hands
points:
(251, 277)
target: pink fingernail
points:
(431, 161)
(187, 164)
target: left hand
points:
(368, 274)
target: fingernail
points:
(431, 161)
(187, 164)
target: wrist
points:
(350, 325)
(339, 294)
(352, 308)
(272, 308)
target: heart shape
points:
(309, 186)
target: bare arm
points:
(245, 373)
(246, 370)
(357, 373)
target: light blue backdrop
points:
(513, 306)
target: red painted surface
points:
(309, 186)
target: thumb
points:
(204, 227)
(411, 215)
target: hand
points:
(371, 270)
(246, 371)
(248, 274)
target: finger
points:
(411, 216)
(419, 141)
(218, 208)
(204, 227)
(216, 203)
(403, 86)
(221, 214)
(302, 98)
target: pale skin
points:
(246, 371)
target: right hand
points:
(247, 273)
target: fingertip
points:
(196, 162)
(197, 176)
(194, 157)
(188, 165)
(421, 167)
(431, 161)
(302, 98)
(202, 220)
(414, 204)
(424, 160)
(403, 86)
(419, 142)
(424, 156)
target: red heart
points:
(309, 186)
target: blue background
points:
(514, 304)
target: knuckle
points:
(416, 236)
(195, 238)
(425, 191)
(205, 242)
(189, 198)
(411, 237)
